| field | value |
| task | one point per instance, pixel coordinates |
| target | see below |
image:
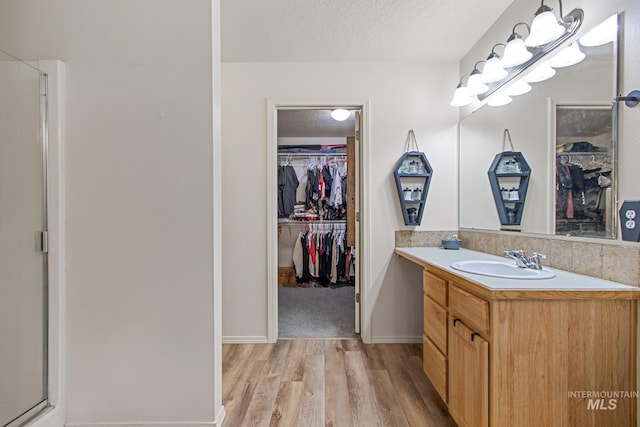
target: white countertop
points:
(563, 281)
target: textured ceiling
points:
(354, 30)
(313, 124)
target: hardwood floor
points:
(328, 382)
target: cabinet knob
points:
(455, 321)
(473, 335)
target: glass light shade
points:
(461, 97)
(475, 84)
(604, 33)
(340, 114)
(544, 29)
(493, 71)
(499, 99)
(515, 53)
(540, 73)
(568, 56)
(518, 88)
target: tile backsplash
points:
(610, 260)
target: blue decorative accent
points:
(509, 164)
(413, 172)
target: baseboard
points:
(217, 423)
(220, 417)
(147, 424)
(244, 340)
(396, 340)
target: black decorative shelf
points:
(509, 165)
(407, 178)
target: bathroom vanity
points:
(515, 352)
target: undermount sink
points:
(502, 269)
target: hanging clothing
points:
(297, 256)
(287, 188)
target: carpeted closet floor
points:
(316, 312)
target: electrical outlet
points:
(628, 214)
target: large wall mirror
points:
(563, 127)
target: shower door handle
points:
(42, 241)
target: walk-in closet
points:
(317, 198)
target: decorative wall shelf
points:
(413, 177)
(509, 178)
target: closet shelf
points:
(286, 221)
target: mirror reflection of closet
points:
(585, 201)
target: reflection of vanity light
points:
(499, 99)
(604, 33)
(540, 73)
(518, 88)
(568, 56)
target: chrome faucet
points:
(523, 261)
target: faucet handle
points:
(534, 260)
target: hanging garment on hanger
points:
(328, 180)
(297, 256)
(290, 187)
(281, 180)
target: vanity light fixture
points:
(493, 69)
(462, 96)
(494, 74)
(602, 34)
(475, 84)
(568, 56)
(545, 27)
(340, 114)
(516, 53)
(540, 73)
(498, 99)
(518, 88)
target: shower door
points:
(23, 259)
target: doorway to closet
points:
(318, 192)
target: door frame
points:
(363, 253)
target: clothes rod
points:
(312, 154)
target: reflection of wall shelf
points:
(413, 177)
(509, 178)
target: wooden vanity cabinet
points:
(518, 358)
(435, 332)
(468, 375)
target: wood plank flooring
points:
(328, 382)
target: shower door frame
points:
(39, 407)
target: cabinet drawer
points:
(435, 323)
(473, 310)
(435, 287)
(434, 364)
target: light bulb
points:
(499, 99)
(518, 88)
(461, 96)
(604, 33)
(541, 72)
(568, 56)
(493, 70)
(340, 114)
(515, 53)
(544, 28)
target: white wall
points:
(139, 202)
(629, 62)
(402, 96)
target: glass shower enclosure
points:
(23, 251)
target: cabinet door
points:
(468, 376)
